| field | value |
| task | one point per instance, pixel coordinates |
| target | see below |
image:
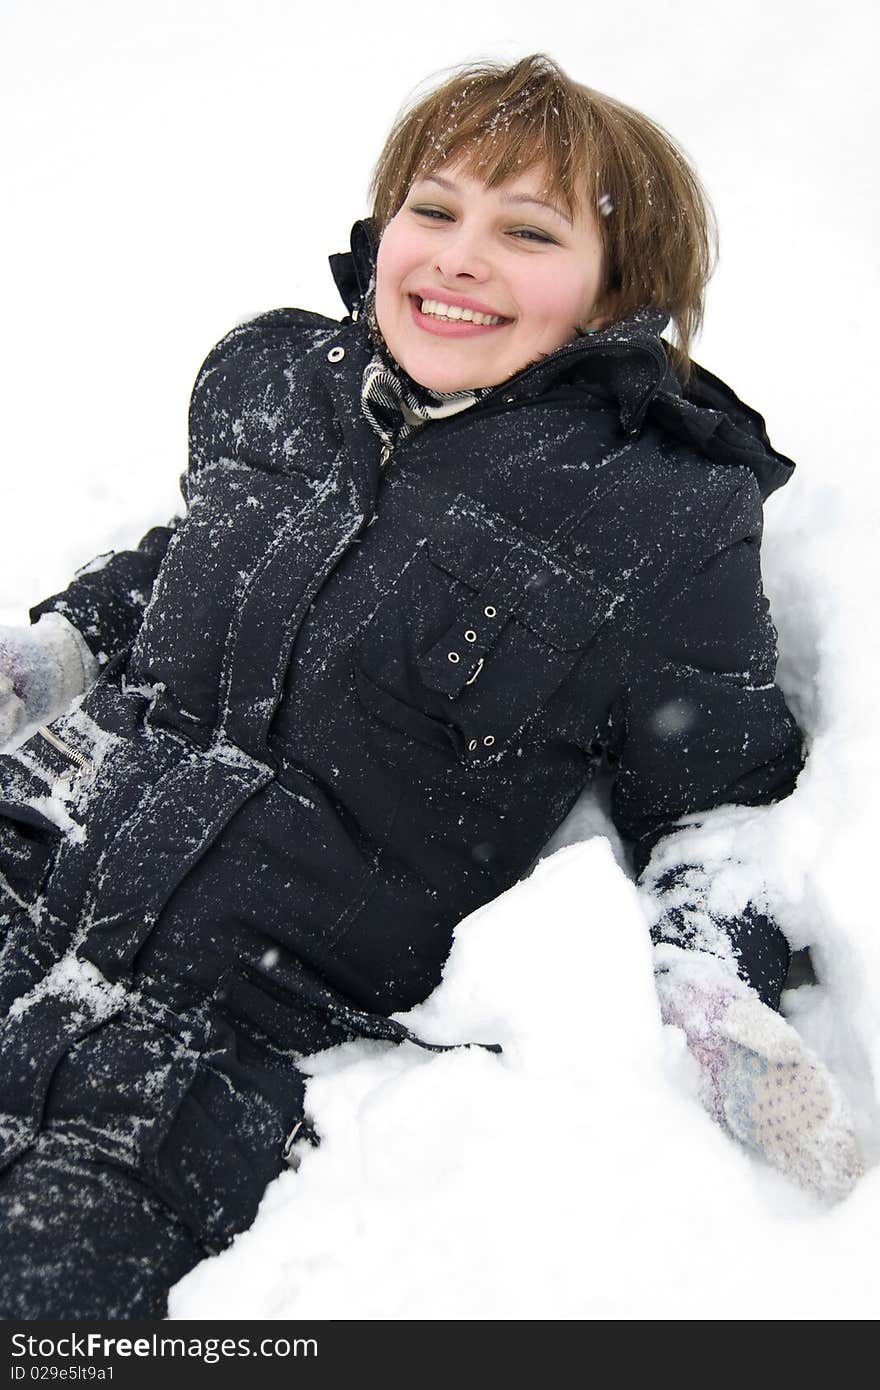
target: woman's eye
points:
(432, 213)
(520, 233)
(529, 234)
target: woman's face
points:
(510, 253)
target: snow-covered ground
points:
(179, 167)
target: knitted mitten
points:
(758, 1077)
(42, 668)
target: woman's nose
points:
(464, 253)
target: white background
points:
(172, 168)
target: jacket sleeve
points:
(107, 598)
(702, 724)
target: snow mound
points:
(572, 1176)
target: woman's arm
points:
(704, 725)
(107, 598)
(98, 616)
(94, 620)
(74, 634)
(105, 601)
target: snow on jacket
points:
(348, 698)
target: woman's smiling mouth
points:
(441, 316)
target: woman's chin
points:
(443, 386)
(444, 381)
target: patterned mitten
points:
(758, 1077)
(42, 668)
(12, 714)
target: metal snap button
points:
(490, 611)
(472, 745)
(453, 656)
(489, 740)
(336, 354)
(470, 635)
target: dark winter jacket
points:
(349, 697)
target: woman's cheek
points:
(558, 308)
(559, 326)
(388, 270)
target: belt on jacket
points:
(243, 990)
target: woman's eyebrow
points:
(508, 198)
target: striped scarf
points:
(392, 403)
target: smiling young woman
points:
(441, 562)
(531, 272)
(589, 156)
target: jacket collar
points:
(353, 270)
(628, 364)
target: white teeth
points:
(435, 308)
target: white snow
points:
(176, 170)
(78, 982)
(572, 1177)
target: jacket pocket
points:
(63, 1010)
(224, 1140)
(485, 622)
(27, 849)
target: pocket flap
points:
(561, 603)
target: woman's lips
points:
(451, 328)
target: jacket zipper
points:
(78, 758)
(384, 460)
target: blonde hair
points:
(657, 226)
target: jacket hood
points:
(629, 365)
